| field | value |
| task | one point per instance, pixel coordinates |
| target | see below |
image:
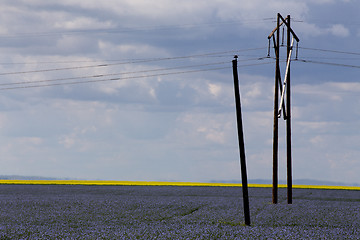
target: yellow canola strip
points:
(145, 183)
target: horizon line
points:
(160, 183)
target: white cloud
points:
(339, 30)
(317, 140)
(317, 126)
(3, 30)
(76, 138)
(190, 12)
(3, 120)
(311, 29)
(83, 23)
(214, 89)
(29, 140)
(345, 87)
(256, 91)
(131, 51)
(205, 128)
(67, 141)
(259, 9)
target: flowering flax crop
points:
(170, 212)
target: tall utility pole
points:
(278, 107)
(241, 143)
(288, 118)
(276, 122)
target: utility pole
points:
(276, 121)
(288, 118)
(278, 107)
(241, 143)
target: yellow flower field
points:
(153, 183)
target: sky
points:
(143, 90)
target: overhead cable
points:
(328, 63)
(128, 62)
(110, 74)
(115, 79)
(124, 78)
(129, 29)
(331, 51)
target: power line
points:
(122, 78)
(328, 22)
(67, 62)
(323, 63)
(116, 79)
(329, 50)
(335, 58)
(328, 63)
(146, 60)
(129, 61)
(132, 62)
(133, 72)
(110, 74)
(130, 29)
(123, 61)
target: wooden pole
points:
(288, 120)
(276, 121)
(241, 144)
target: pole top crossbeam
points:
(284, 21)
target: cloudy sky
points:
(142, 90)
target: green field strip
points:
(154, 183)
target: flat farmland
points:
(174, 212)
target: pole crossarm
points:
(273, 31)
(284, 21)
